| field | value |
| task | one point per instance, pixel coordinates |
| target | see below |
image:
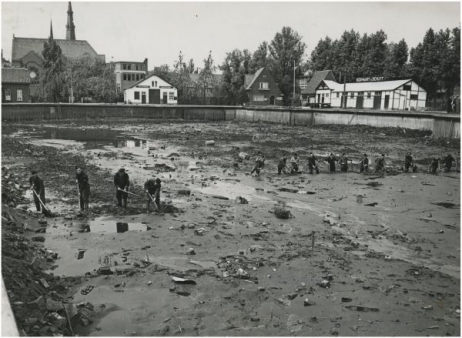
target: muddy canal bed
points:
(386, 263)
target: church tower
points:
(70, 27)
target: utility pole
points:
(344, 90)
(294, 84)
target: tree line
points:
(434, 64)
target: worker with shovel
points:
(83, 188)
(121, 182)
(152, 188)
(38, 189)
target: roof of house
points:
(248, 79)
(257, 74)
(15, 75)
(70, 48)
(146, 78)
(316, 80)
(366, 86)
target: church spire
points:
(51, 30)
(70, 27)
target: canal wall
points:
(442, 125)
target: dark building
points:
(15, 85)
(262, 89)
(27, 52)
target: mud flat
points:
(385, 264)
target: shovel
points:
(153, 201)
(47, 211)
(125, 191)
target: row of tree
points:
(434, 64)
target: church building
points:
(27, 52)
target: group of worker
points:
(152, 188)
(331, 160)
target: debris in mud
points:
(244, 156)
(121, 227)
(288, 190)
(447, 205)
(362, 308)
(241, 200)
(373, 204)
(220, 197)
(308, 302)
(104, 270)
(182, 280)
(324, 284)
(184, 192)
(374, 184)
(190, 251)
(282, 212)
(210, 143)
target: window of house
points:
(125, 76)
(171, 96)
(137, 95)
(142, 76)
(124, 66)
(352, 95)
(338, 95)
(137, 77)
(118, 88)
(7, 95)
(369, 95)
(259, 98)
(264, 85)
(129, 67)
(155, 84)
(19, 95)
(378, 93)
(407, 87)
(414, 96)
(143, 94)
(327, 94)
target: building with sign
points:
(383, 95)
(262, 89)
(151, 90)
(15, 85)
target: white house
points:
(383, 95)
(151, 90)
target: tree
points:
(396, 60)
(235, 66)
(90, 78)
(286, 52)
(206, 75)
(163, 71)
(180, 75)
(51, 77)
(259, 58)
(374, 59)
(321, 56)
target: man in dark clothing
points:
(282, 166)
(331, 160)
(152, 187)
(259, 164)
(313, 164)
(343, 163)
(409, 162)
(364, 164)
(121, 183)
(433, 166)
(295, 161)
(380, 164)
(36, 183)
(447, 161)
(84, 188)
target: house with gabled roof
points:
(384, 95)
(151, 90)
(309, 89)
(262, 89)
(15, 85)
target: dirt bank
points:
(386, 265)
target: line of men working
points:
(152, 188)
(380, 163)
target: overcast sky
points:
(159, 30)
